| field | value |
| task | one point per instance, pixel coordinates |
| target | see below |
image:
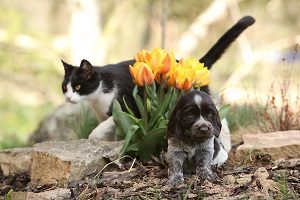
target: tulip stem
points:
(145, 110)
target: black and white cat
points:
(99, 86)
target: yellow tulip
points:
(141, 74)
(196, 71)
(202, 77)
(161, 65)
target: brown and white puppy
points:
(192, 135)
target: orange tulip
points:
(141, 74)
(159, 60)
(185, 85)
(161, 65)
(143, 56)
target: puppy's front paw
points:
(206, 174)
(175, 180)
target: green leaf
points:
(122, 120)
(151, 93)
(132, 130)
(158, 114)
(127, 108)
(133, 147)
(150, 144)
(148, 102)
(120, 134)
(138, 101)
(163, 123)
(223, 111)
(153, 122)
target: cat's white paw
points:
(104, 131)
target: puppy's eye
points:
(209, 115)
(190, 115)
(77, 87)
(64, 87)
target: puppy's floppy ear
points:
(86, 69)
(217, 123)
(174, 128)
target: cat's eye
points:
(209, 115)
(77, 87)
(64, 87)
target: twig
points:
(112, 163)
(132, 164)
(245, 170)
(82, 193)
(243, 188)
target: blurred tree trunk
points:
(215, 12)
(85, 31)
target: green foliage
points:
(285, 191)
(241, 116)
(223, 111)
(8, 195)
(25, 74)
(83, 122)
(144, 137)
(17, 121)
(11, 140)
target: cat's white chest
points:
(101, 102)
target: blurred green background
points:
(35, 35)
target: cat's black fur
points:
(112, 76)
(117, 76)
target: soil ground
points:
(132, 180)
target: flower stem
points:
(145, 110)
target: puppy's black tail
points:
(224, 42)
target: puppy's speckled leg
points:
(175, 160)
(203, 158)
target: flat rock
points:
(283, 144)
(15, 161)
(62, 162)
(26, 196)
(57, 194)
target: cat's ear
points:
(86, 68)
(68, 68)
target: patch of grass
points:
(280, 112)
(83, 122)
(11, 140)
(157, 195)
(8, 195)
(286, 192)
(241, 116)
